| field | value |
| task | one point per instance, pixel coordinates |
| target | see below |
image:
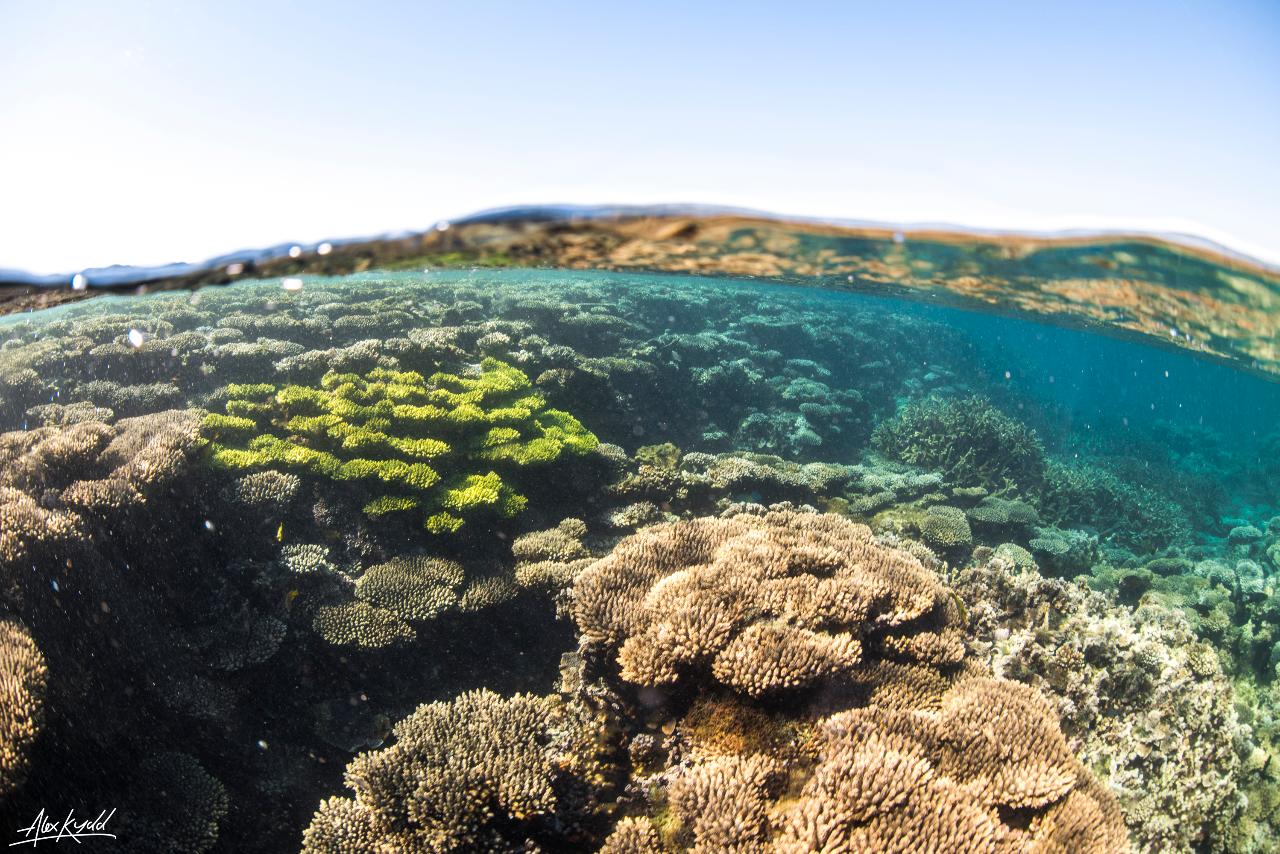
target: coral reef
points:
(400, 508)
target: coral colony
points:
(535, 560)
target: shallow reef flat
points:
(545, 560)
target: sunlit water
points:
(230, 601)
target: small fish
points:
(280, 533)
(289, 597)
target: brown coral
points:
(413, 588)
(945, 781)
(724, 803)
(550, 560)
(23, 678)
(765, 603)
(361, 625)
(459, 776)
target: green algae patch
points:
(447, 445)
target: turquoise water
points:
(248, 531)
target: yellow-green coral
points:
(476, 429)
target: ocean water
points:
(540, 559)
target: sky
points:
(148, 132)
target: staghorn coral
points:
(421, 438)
(1128, 514)
(967, 440)
(23, 678)
(764, 603)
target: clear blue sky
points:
(143, 132)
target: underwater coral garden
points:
(540, 560)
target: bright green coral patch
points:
(477, 429)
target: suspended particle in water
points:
(235, 269)
(79, 282)
(291, 284)
(1008, 375)
(208, 524)
(53, 582)
(262, 744)
(324, 248)
(295, 251)
(135, 337)
(443, 225)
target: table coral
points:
(764, 603)
(428, 440)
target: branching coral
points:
(23, 678)
(967, 440)
(764, 603)
(475, 774)
(417, 588)
(177, 806)
(946, 780)
(1141, 702)
(1128, 514)
(551, 559)
(422, 438)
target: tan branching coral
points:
(53, 480)
(413, 588)
(632, 835)
(25, 525)
(724, 803)
(23, 678)
(943, 781)
(764, 602)
(361, 625)
(459, 777)
(551, 559)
